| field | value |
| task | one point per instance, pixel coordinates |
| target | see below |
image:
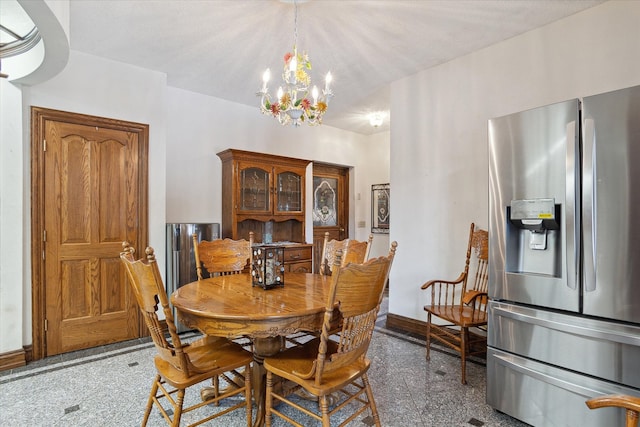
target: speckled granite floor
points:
(108, 386)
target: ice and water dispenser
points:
(533, 241)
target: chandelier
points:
(294, 102)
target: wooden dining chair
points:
(328, 369)
(352, 251)
(630, 404)
(180, 366)
(461, 303)
(223, 256)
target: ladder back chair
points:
(630, 404)
(182, 365)
(221, 257)
(461, 303)
(352, 251)
(335, 370)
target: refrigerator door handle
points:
(549, 379)
(605, 332)
(176, 239)
(589, 206)
(572, 217)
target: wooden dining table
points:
(229, 306)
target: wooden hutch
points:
(264, 193)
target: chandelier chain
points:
(295, 24)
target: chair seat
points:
(463, 316)
(209, 356)
(295, 361)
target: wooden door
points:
(330, 206)
(91, 196)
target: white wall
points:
(378, 173)
(12, 213)
(186, 130)
(439, 162)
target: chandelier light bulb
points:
(265, 79)
(293, 63)
(328, 80)
(314, 93)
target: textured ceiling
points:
(221, 47)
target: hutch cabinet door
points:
(289, 191)
(254, 188)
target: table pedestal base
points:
(262, 347)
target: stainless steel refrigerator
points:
(181, 264)
(564, 259)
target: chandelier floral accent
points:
(294, 102)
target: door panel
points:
(330, 206)
(92, 197)
(611, 204)
(86, 181)
(533, 159)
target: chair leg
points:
(464, 342)
(323, 403)
(428, 336)
(154, 390)
(372, 402)
(268, 399)
(247, 394)
(631, 418)
(178, 408)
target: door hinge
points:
(44, 235)
(43, 256)
(44, 145)
(46, 325)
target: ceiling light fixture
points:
(294, 102)
(376, 118)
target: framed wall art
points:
(380, 208)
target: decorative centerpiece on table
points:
(267, 267)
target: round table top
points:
(230, 306)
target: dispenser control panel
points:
(532, 209)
